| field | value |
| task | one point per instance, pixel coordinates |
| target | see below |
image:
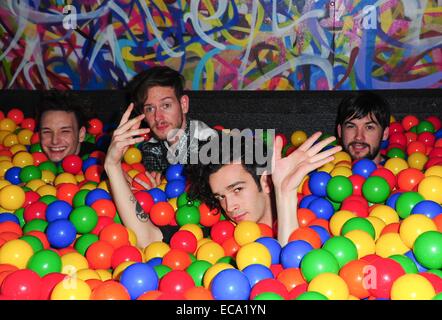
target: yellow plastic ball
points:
(328, 167)
(344, 163)
(341, 171)
(253, 253)
(132, 237)
(299, 190)
(378, 225)
(156, 249)
(341, 156)
(103, 185)
(104, 274)
(417, 160)
(210, 251)
(385, 213)
(132, 155)
(86, 274)
(390, 244)
(132, 173)
(79, 178)
(65, 177)
(7, 124)
(396, 165)
(431, 188)
(162, 186)
(412, 287)
(35, 184)
(413, 226)
(47, 176)
(434, 171)
(3, 134)
(72, 262)
(195, 229)
(298, 137)
(4, 183)
(202, 242)
(17, 148)
(330, 285)
(71, 289)
(213, 271)
(88, 186)
(24, 136)
(246, 232)
(364, 243)
(22, 159)
(10, 140)
(16, 252)
(12, 197)
(5, 158)
(47, 190)
(4, 166)
(338, 219)
(351, 297)
(120, 268)
(173, 203)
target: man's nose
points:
(55, 138)
(159, 115)
(231, 205)
(360, 136)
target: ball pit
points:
(360, 223)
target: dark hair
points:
(53, 100)
(162, 76)
(199, 174)
(361, 104)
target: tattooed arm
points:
(130, 211)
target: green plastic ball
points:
(339, 188)
(428, 249)
(342, 249)
(425, 126)
(36, 147)
(84, 242)
(358, 223)
(34, 242)
(406, 202)
(197, 269)
(80, 198)
(268, 296)
(407, 264)
(161, 270)
(45, 262)
(311, 295)
(396, 153)
(316, 262)
(48, 199)
(376, 189)
(187, 215)
(29, 173)
(35, 225)
(48, 166)
(84, 219)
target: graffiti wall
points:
(223, 45)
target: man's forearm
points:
(286, 206)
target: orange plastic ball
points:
(99, 255)
(177, 259)
(162, 213)
(110, 290)
(291, 278)
(67, 191)
(198, 293)
(354, 274)
(305, 216)
(115, 234)
(307, 234)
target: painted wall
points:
(223, 45)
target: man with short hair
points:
(61, 128)
(362, 123)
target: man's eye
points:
(349, 126)
(237, 190)
(219, 198)
(370, 127)
(166, 106)
(149, 109)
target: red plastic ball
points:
(145, 200)
(115, 234)
(104, 207)
(93, 173)
(269, 285)
(411, 136)
(39, 157)
(36, 210)
(99, 255)
(435, 281)
(125, 253)
(176, 259)
(398, 138)
(28, 123)
(176, 281)
(384, 273)
(409, 122)
(49, 282)
(416, 146)
(426, 138)
(387, 175)
(95, 126)
(408, 179)
(22, 285)
(102, 222)
(208, 217)
(72, 164)
(359, 208)
(231, 247)
(396, 127)
(184, 240)
(436, 153)
(221, 231)
(16, 115)
(435, 121)
(162, 213)
(67, 191)
(357, 181)
(35, 138)
(30, 197)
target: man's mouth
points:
(162, 126)
(57, 149)
(359, 146)
(239, 217)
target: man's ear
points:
(184, 101)
(82, 134)
(266, 182)
(339, 131)
(386, 133)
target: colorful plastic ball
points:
(390, 244)
(95, 126)
(99, 255)
(409, 122)
(357, 182)
(16, 252)
(354, 273)
(330, 285)
(84, 219)
(104, 207)
(256, 273)
(175, 188)
(210, 251)
(406, 263)
(413, 226)
(84, 242)
(11, 197)
(246, 232)
(174, 172)
(342, 249)
(253, 253)
(420, 268)
(157, 194)
(88, 163)
(187, 214)
(338, 220)
(358, 223)
(35, 225)
(363, 241)
(162, 213)
(272, 246)
(381, 276)
(430, 188)
(409, 178)
(222, 231)
(72, 164)
(22, 285)
(339, 188)
(28, 123)
(324, 235)
(298, 137)
(132, 155)
(58, 209)
(406, 202)
(364, 167)
(176, 281)
(269, 285)
(208, 216)
(268, 296)
(184, 240)
(67, 191)
(396, 165)
(61, 233)
(417, 161)
(322, 208)
(318, 261)
(376, 189)
(13, 175)
(5, 216)
(177, 259)
(35, 242)
(318, 183)
(396, 153)
(197, 269)
(144, 199)
(425, 126)
(428, 249)
(15, 115)
(311, 295)
(115, 234)
(7, 124)
(293, 253)
(428, 208)
(71, 288)
(110, 290)
(412, 287)
(306, 234)
(93, 173)
(49, 282)
(95, 195)
(230, 284)
(45, 262)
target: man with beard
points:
(362, 123)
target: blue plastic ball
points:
(392, 199)
(89, 162)
(384, 144)
(58, 209)
(139, 278)
(273, 246)
(230, 284)
(7, 216)
(293, 252)
(256, 273)
(427, 207)
(438, 134)
(61, 233)
(318, 183)
(174, 172)
(154, 261)
(13, 175)
(364, 167)
(158, 195)
(323, 233)
(322, 208)
(410, 254)
(305, 202)
(96, 194)
(175, 188)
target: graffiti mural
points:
(223, 45)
